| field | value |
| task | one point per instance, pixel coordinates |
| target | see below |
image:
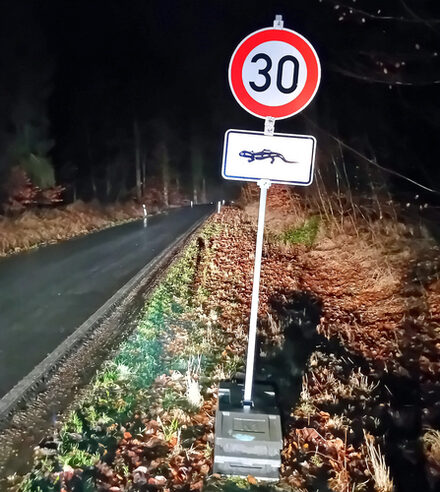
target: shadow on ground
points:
(283, 366)
(395, 412)
(298, 314)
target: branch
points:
(365, 158)
(373, 80)
(427, 22)
(395, 56)
(413, 20)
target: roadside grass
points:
(133, 387)
(364, 268)
(379, 470)
(34, 228)
(121, 387)
(431, 444)
(305, 234)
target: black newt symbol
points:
(264, 154)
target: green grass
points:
(121, 388)
(74, 423)
(169, 430)
(79, 458)
(306, 234)
(172, 399)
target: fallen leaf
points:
(252, 480)
(160, 480)
(197, 485)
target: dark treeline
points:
(106, 98)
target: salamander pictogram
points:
(264, 154)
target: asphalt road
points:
(46, 294)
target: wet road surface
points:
(46, 294)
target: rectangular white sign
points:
(281, 158)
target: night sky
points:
(164, 63)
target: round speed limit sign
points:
(274, 73)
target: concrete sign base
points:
(248, 440)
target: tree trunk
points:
(195, 194)
(93, 183)
(90, 159)
(197, 169)
(137, 159)
(108, 185)
(178, 184)
(165, 178)
(204, 200)
(144, 174)
(165, 173)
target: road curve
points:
(46, 294)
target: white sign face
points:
(281, 158)
(274, 73)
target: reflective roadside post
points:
(145, 214)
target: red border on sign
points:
(303, 98)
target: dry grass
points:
(360, 284)
(431, 444)
(359, 382)
(379, 470)
(362, 271)
(35, 227)
(284, 209)
(192, 394)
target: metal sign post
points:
(264, 185)
(274, 73)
